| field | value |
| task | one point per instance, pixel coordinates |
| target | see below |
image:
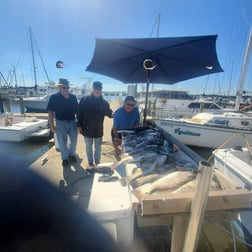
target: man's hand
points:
(80, 130)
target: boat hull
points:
(36, 104)
(23, 130)
(236, 164)
(202, 135)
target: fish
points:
(169, 182)
(123, 161)
(145, 179)
(150, 178)
(136, 173)
(147, 167)
(140, 157)
(190, 187)
(141, 171)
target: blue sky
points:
(66, 30)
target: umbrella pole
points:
(146, 97)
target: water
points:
(205, 153)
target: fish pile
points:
(156, 163)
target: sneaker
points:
(73, 159)
(90, 165)
(65, 162)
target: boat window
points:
(170, 94)
(219, 121)
(245, 123)
(204, 105)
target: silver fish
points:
(171, 181)
(150, 178)
(190, 187)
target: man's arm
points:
(116, 139)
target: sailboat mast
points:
(33, 59)
(243, 72)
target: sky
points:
(66, 30)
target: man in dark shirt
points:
(91, 112)
(63, 106)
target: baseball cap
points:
(97, 85)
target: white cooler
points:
(110, 203)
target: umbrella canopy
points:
(155, 60)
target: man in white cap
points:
(63, 106)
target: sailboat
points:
(213, 130)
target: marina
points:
(71, 181)
(182, 182)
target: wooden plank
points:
(167, 219)
(181, 202)
(198, 206)
(154, 220)
(225, 182)
(180, 223)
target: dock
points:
(155, 210)
(49, 165)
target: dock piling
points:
(198, 206)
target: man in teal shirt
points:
(125, 117)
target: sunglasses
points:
(65, 87)
(130, 104)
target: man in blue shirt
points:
(125, 117)
(63, 106)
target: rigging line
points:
(245, 16)
(41, 58)
(4, 79)
(157, 21)
(231, 77)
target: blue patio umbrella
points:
(155, 60)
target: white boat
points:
(19, 128)
(237, 165)
(36, 104)
(39, 103)
(177, 104)
(211, 130)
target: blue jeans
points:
(96, 155)
(66, 130)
